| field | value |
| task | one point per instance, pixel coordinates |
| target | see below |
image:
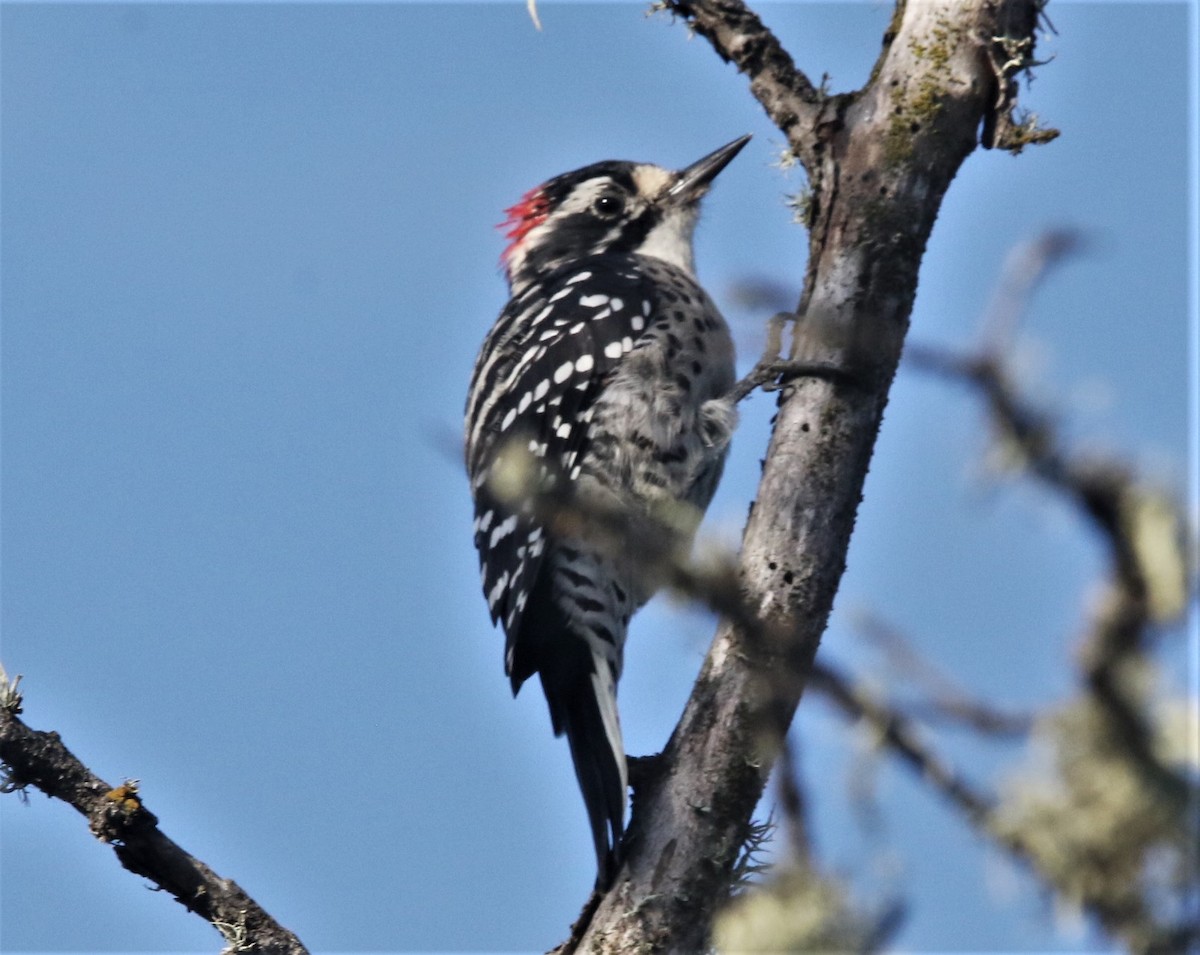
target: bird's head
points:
(609, 206)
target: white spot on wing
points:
(592, 301)
(498, 591)
(503, 529)
(563, 372)
(585, 363)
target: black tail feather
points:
(576, 709)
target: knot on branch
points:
(121, 815)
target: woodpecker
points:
(606, 377)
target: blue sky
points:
(246, 261)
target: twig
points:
(773, 375)
(1024, 269)
(971, 714)
(793, 803)
(947, 701)
(901, 737)
(773, 372)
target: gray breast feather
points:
(662, 426)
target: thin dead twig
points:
(946, 700)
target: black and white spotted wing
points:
(541, 369)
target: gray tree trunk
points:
(879, 162)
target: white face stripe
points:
(671, 239)
(652, 180)
(582, 196)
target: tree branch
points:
(1136, 525)
(739, 37)
(1113, 823)
(117, 816)
(900, 736)
(879, 163)
(1124, 912)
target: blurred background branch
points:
(1106, 814)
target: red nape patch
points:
(527, 214)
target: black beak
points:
(694, 180)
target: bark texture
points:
(879, 162)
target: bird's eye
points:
(607, 206)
